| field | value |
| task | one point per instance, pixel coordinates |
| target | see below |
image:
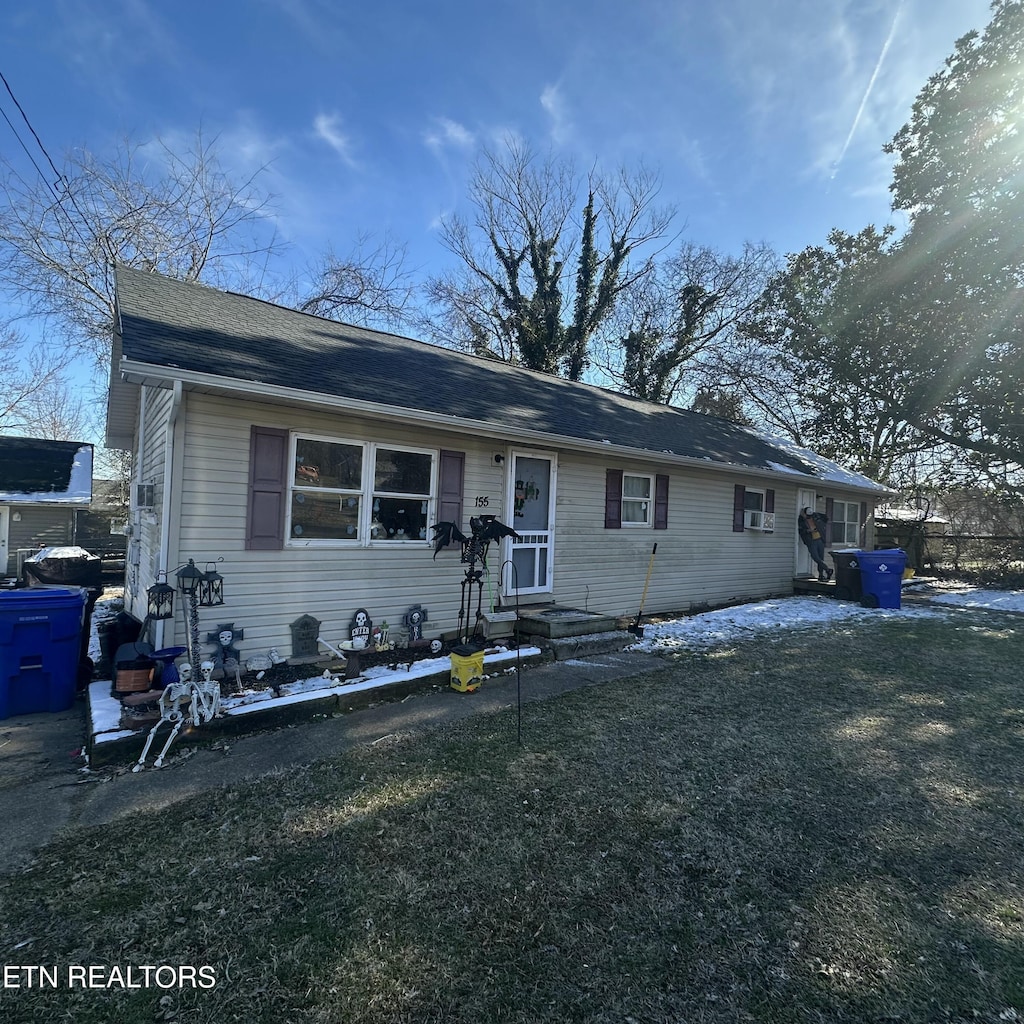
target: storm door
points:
(804, 565)
(531, 500)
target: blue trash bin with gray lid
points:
(881, 577)
(40, 641)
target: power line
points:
(61, 180)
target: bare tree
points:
(533, 282)
(371, 284)
(147, 206)
(26, 371)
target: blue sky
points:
(765, 118)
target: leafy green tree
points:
(907, 346)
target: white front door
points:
(804, 565)
(528, 561)
(5, 518)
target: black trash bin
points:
(849, 585)
(69, 566)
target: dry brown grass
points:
(825, 828)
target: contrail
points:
(867, 91)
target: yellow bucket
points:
(467, 668)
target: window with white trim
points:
(754, 515)
(358, 492)
(845, 523)
(637, 505)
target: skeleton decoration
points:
(361, 629)
(183, 702)
(484, 530)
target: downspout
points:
(165, 504)
(134, 559)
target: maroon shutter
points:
(613, 499)
(769, 503)
(661, 501)
(268, 454)
(862, 533)
(739, 498)
(829, 509)
(451, 474)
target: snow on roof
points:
(71, 484)
(907, 515)
(822, 468)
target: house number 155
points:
(481, 501)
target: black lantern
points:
(160, 599)
(189, 578)
(211, 587)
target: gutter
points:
(159, 376)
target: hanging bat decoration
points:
(485, 530)
(445, 534)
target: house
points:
(42, 485)
(313, 457)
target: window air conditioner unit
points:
(763, 521)
(144, 496)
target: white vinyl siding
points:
(264, 591)
(699, 560)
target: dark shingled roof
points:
(192, 327)
(30, 465)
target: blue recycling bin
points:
(881, 576)
(40, 643)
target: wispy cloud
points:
(447, 134)
(328, 129)
(555, 106)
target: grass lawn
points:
(824, 827)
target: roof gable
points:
(190, 327)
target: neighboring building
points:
(918, 531)
(314, 457)
(42, 485)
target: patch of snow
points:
(997, 600)
(752, 621)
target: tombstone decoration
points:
(361, 629)
(413, 621)
(305, 630)
(226, 656)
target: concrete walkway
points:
(43, 792)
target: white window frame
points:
(848, 507)
(649, 502)
(366, 493)
(756, 518)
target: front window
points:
(401, 495)
(636, 500)
(326, 490)
(350, 491)
(845, 524)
